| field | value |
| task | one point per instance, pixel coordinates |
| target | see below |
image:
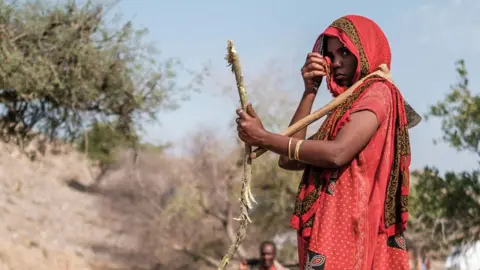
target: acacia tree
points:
(446, 207)
(64, 67)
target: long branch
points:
(246, 197)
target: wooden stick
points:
(246, 197)
(234, 61)
(307, 120)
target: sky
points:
(426, 38)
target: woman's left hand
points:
(250, 128)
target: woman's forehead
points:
(333, 43)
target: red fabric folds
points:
(353, 217)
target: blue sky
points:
(426, 37)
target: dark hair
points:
(268, 243)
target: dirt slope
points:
(45, 224)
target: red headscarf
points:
(364, 38)
(368, 43)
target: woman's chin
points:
(343, 83)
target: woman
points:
(351, 207)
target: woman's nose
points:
(336, 63)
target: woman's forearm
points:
(325, 154)
(303, 109)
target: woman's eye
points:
(345, 52)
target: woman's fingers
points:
(316, 58)
(314, 66)
(251, 111)
(313, 74)
(243, 114)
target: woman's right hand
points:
(313, 71)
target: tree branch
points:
(226, 221)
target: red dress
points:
(354, 217)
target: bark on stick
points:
(246, 198)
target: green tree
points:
(64, 68)
(100, 142)
(446, 208)
(103, 144)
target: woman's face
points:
(344, 63)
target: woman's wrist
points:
(312, 92)
(275, 142)
(266, 139)
(310, 89)
(309, 95)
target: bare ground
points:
(45, 223)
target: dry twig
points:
(246, 198)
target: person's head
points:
(268, 250)
(354, 46)
(343, 61)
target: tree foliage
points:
(460, 114)
(100, 143)
(64, 67)
(446, 207)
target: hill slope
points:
(45, 223)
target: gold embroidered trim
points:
(302, 206)
(348, 28)
(394, 199)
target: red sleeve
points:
(377, 99)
